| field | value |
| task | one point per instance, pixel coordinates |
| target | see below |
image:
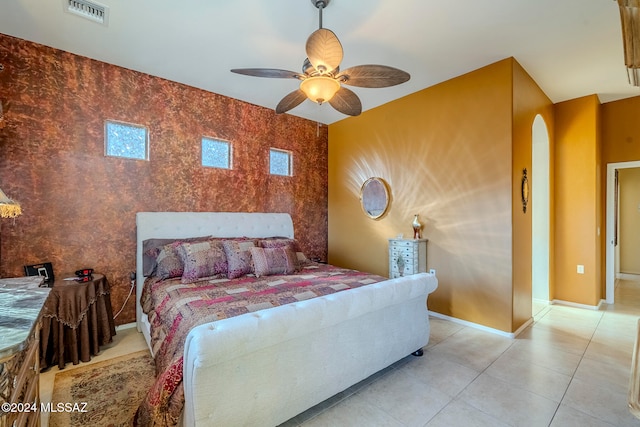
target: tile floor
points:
(570, 368)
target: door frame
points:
(610, 263)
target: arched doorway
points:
(540, 214)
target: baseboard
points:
(576, 305)
(482, 327)
(125, 326)
(628, 276)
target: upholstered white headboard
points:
(169, 225)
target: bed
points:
(266, 366)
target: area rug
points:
(102, 394)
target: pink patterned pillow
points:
(280, 242)
(238, 257)
(153, 255)
(270, 261)
(168, 263)
(202, 260)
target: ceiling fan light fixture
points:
(320, 88)
(321, 78)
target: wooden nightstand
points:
(407, 256)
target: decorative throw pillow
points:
(151, 249)
(168, 262)
(280, 242)
(202, 260)
(238, 256)
(270, 261)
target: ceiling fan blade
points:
(324, 50)
(290, 101)
(373, 76)
(347, 102)
(268, 72)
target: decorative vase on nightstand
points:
(417, 227)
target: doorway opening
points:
(612, 224)
(540, 215)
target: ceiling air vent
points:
(90, 10)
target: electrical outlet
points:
(580, 269)
(432, 271)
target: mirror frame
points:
(387, 196)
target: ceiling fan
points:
(321, 78)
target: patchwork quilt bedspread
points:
(175, 308)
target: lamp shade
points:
(8, 208)
(320, 88)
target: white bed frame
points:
(263, 368)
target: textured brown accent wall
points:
(79, 206)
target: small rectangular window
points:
(216, 153)
(280, 162)
(126, 140)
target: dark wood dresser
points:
(21, 302)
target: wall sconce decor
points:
(524, 190)
(630, 19)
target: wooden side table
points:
(77, 319)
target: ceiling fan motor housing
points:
(319, 3)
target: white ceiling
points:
(571, 48)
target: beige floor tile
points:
(598, 373)
(619, 353)
(458, 413)
(439, 372)
(405, 398)
(548, 356)
(604, 401)
(530, 376)
(473, 348)
(549, 335)
(566, 416)
(353, 410)
(441, 329)
(509, 404)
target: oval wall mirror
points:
(374, 197)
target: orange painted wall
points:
(620, 131)
(528, 101)
(578, 201)
(447, 154)
(620, 143)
